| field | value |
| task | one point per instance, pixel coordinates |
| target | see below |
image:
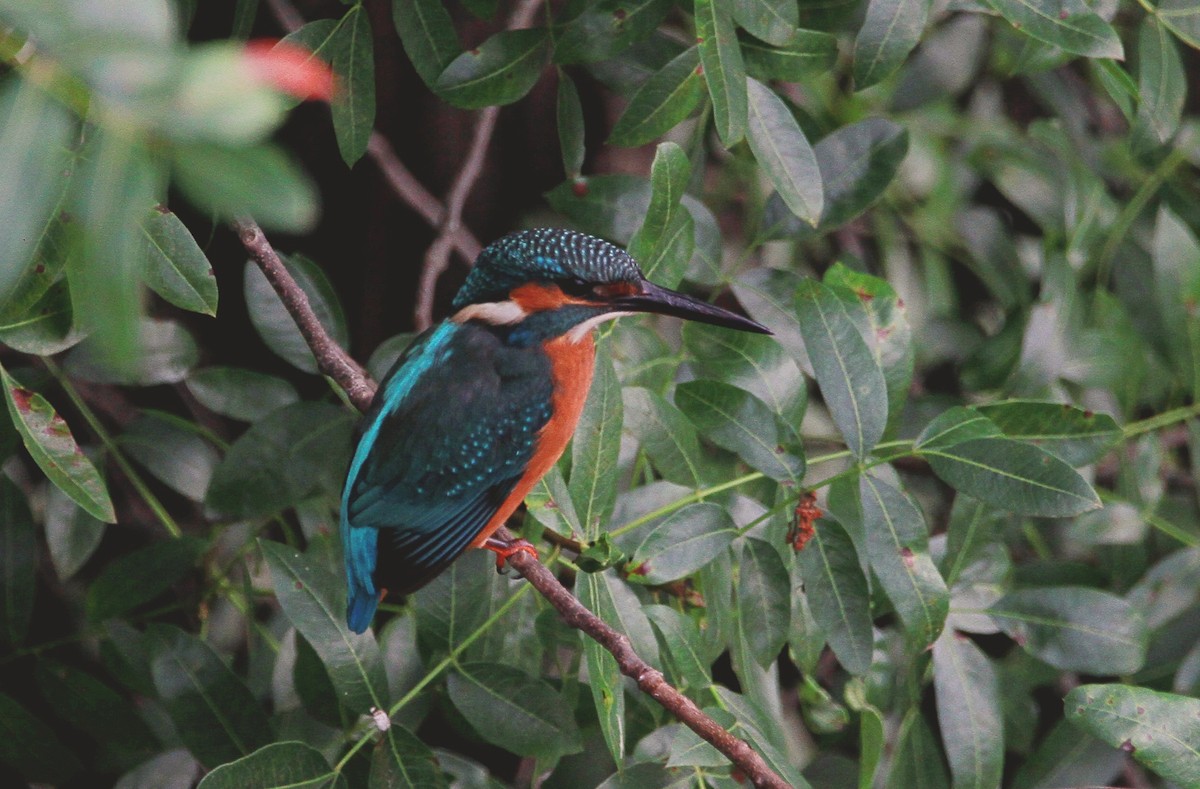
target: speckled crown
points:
(543, 255)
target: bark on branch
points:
(334, 362)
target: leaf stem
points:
(1157, 421)
(126, 467)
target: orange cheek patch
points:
(537, 298)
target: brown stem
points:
(335, 363)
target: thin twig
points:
(358, 386)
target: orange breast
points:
(571, 365)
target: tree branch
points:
(336, 363)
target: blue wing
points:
(452, 428)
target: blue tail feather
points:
(359, 547)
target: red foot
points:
(503, 550)
(802, 528)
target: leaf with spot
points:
(1075, 628)
(513, 710)
(1160, 730)
(969, 714)
(609, 206)
(314, 600)
(280, 765)
(607, 29)
(897, 550)
(51, 445)
(1068, 24)
(427, 33)
(738, 421)
(499, 71)
(662, 102)
(682, 543)
(594, 449)
(890, 31)
(1073, 435)
(838, 594)
(851, 381)
(174, 267)
(351, 53)
(784, 153)
(724, 70)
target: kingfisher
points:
(477, 410)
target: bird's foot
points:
(504, 549)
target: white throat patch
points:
(577, 333)
(497, 313)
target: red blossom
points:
(289, 68)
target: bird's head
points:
(549, 282)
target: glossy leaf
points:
(427, 32)
(1067, 24)
(1074, 628)
(245, 395)
(456, 603)
(784, 153)
(46, 327)
(51, 445)
(171, 453)
(1014, 476)
(281, 460)
(141, 576)
(1162, 87)
(681, 637)
(850, 378)
(401, 761)
(838, 594)
(174, 267)
(499, 71)
(682, 543)
(314, 600)
(1160, 730)
(604, 675)
(917, 761)
(662, 102)
(741, 423)
(769, 296)
(764, 600)
(665, 435)
(31, 747)
(956, 425)
(897, 541)
(570, 125)
(594, 449)
(18, 564)
(890, 31)
(663, 244)
(968, 707)
(277, 327)
(260, 181)
(217, 717)
(773, 21)
(167, 354)
(509, 708)
(1068, 757)
(809, 53)
(351, 53)
(608, 206)
(275, 766)
(857, 164)
(1071, 434)
(724, 71)
(606, 29)
(1182, 18)
(72, 533)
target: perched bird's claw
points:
(504, 549)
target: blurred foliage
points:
(973, 227)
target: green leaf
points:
(607, 29)
(679, 634)
(1175, 258)
(724, 71)
(1161, 730)
(851, 381)
(1068, 757)
(314, 600)
(509, 708)
(897, 540)
(1075, 628)
(665, 435)
(1067, 24)
(499, 71)
(784, 153)
(1014, 476)
(740, 422)
(1182, 18)
(351, 53)
(608, 206)
(956, 425)
(594, 449)
(890, 31)
(260, 181)
(141, 576)
(46, 327)
(18, 564)
(773, 21)
(764, 600)
(245, 395)
(663, 244)
(604, 675)
(427, 32)
(401, 761)
(968, 708)
(456, 603)
(1162, 87)
(662, 102)
(72, 533)
(889, 326)
(769, 296)
(280, 765)
(1073, 435)
(282, 460)
(173, 454)
(53, 448)
(569, 113)
(214, 712)
(917, 760)
(809, 54)
(857, 164)
(167, 353)
(174, 267)
(838, 595)
(275, 324)
(682, 543)
(32, 748)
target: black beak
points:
(652, 298)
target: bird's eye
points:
(576, 287)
